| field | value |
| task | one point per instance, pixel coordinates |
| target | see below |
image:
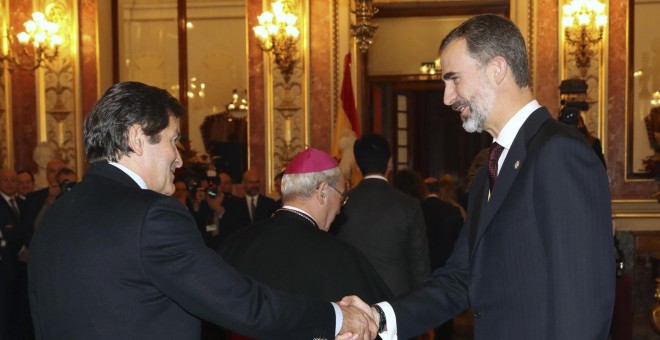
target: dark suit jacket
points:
(287, 252)
(113, 261)
(237, 214)
(388, 227)
(34, 201)
(443, 224)
(536, 261)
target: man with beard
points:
(535, 259)
(239, 212)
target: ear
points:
(500, 68)
(322, 193)
(136, 139)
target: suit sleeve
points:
(420, 264)
(573, 211)
(439, 299)
(174, 257)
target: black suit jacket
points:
(237, 214)
(536, 260)
(113, 261)
(388, 227)
(288, 252)
(443, 224)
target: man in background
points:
(24, 183)
(384, 223)
(243, 211)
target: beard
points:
(480, 106)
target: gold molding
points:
(6, 132)
(287, 102)
(597, 73)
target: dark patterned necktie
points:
(253, 207)
(495, 152)
(14, 207)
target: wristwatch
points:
(383, 323)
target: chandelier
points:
(41, 34)
(277, 33)
(237, 109)
(363, 29)
(584, 22)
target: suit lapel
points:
(513, 164)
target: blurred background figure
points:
(448, 192)
(410, 183)
(443, 224)
(25, 183)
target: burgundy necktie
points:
(495, 152)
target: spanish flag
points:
(347, 127)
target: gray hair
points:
(490, 35)
(302, 186)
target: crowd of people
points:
(132, 251)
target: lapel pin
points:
(516, 165)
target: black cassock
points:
(290, 253)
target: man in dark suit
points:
(39, 200)
(383, 222)
(242, 211)
(118, 258)
(535, 258)
(14, 307)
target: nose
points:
(450, 94)
(178, 162)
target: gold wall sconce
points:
(363, 29)
(277, 33)
(584, 22)
(41, 34)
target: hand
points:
(215, 203)
(363, 306)
(358, 323)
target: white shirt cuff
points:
(390, 325)
(339, 318)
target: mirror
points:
(215, 59)
(643, 114)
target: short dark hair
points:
(488, 36)
(65, 171)
(372, 153)
(124, 104)
(26, 172)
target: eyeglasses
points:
(344, 197)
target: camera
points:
(66, 186)
(212, 191)
(573, 93)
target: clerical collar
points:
(300, 213)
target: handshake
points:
(360, 320)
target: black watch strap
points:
(383, 322)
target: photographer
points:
(65, 180)
(570, 115)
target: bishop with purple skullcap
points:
(310, 160)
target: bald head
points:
(8, 181)
(251, 182)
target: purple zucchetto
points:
(310, 160)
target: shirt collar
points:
(511, 128)
(131, 174)
(376, 176)
(6, 197)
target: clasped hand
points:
(360, 322)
